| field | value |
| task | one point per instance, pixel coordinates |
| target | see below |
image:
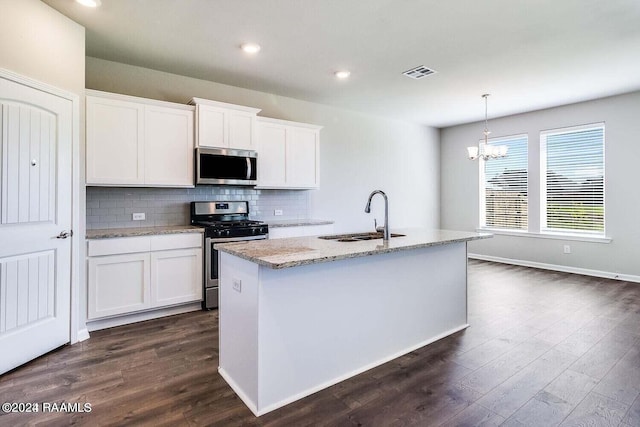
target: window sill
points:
(570, 237)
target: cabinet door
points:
(118, 284)
(241, 127)
(302, 159)
(115, 142)
(272, 155)
(169, 147)
(176, 276)
(212, 127)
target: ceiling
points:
(527, 54)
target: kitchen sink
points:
(357, 237)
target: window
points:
(503, 192)
(572, 180)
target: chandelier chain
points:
(485, 151)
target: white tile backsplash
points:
(110, 207)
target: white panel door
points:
(35, 207)
(168, 147)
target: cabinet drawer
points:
(119, 245)
(176, 241)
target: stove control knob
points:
(264, 230)
(227, 232)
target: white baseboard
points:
(95, 325)
(561, 268)
(83, 335)
(238, 390)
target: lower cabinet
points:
(176, 276)
(131, 274)
(119, 284)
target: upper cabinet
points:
(222, 125)
(288, 154)
(138, 142)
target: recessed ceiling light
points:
(250, 48)
(90, 3)
(342, 74)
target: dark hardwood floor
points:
(543, 349)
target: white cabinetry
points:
(118, 284)
(138, 142)
(222, 125)
(131, 274)
(176, 276)
(289, 154)
(169, 147)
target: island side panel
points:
(323, 323)
(238, 320)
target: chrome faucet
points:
(367, 209)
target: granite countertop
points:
(276, 223)
(108, 233)
(293, 252)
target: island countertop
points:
(297, 251)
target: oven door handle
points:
(207, 263)
(235, 239)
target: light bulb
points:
(251, 48)
(89, 3)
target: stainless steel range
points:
(223, 222)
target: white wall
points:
(38, 42)
(459, 190)
(359, 153)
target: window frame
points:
(482, 186)
(568, 233)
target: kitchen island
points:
(301, 314)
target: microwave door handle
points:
(248, 167)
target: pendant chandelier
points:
(484, 150)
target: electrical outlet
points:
(277, 212)
(140, 216)
(237, 285)
(567, 249)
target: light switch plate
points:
(277, 212)
(237, 285)
(140, 216)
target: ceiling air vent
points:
(419, 72)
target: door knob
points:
(64, 234)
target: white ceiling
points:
(528, 54)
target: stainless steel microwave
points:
(223, 166)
